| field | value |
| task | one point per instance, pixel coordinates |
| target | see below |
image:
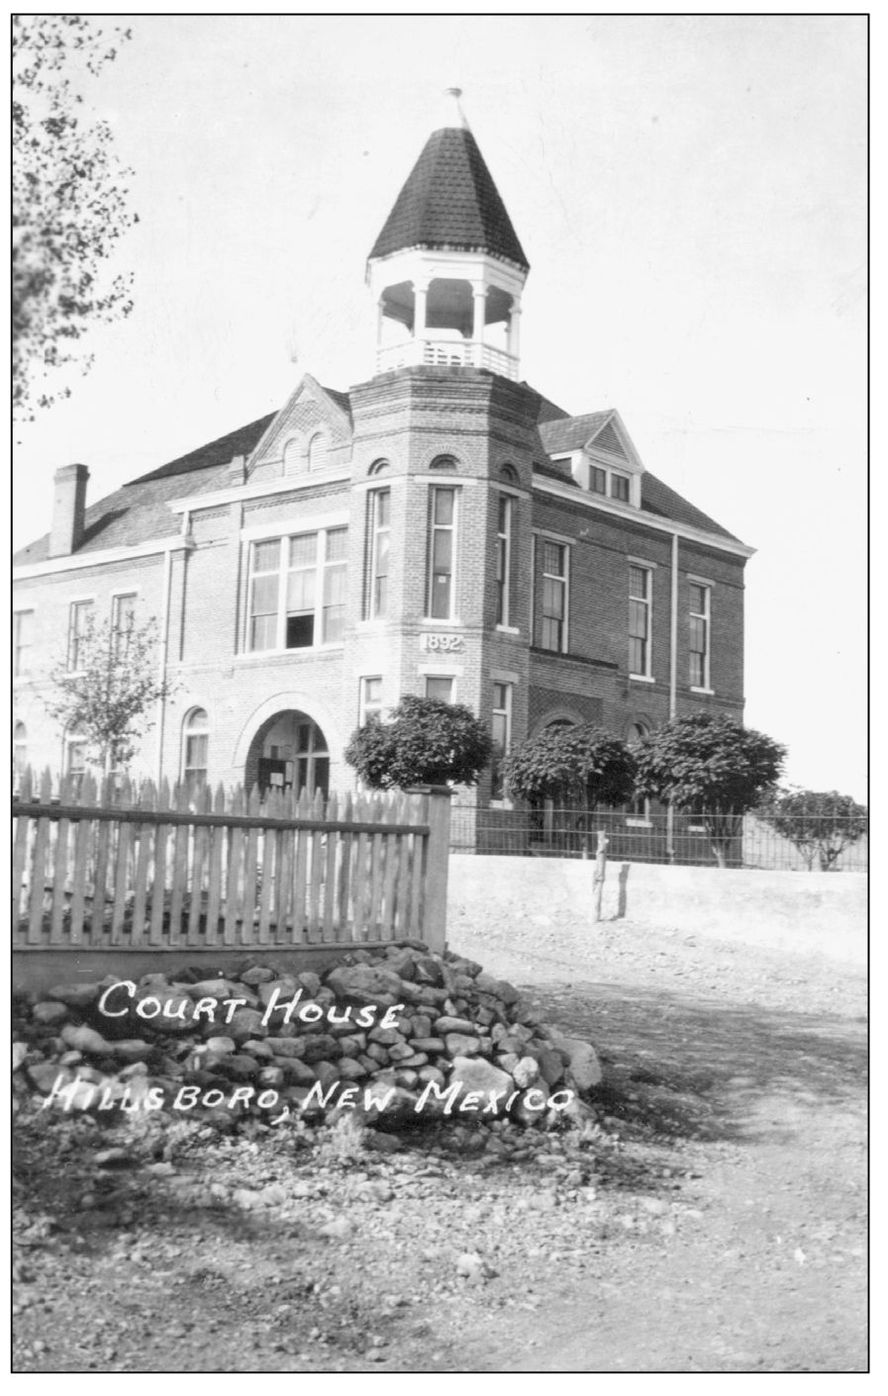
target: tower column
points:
(420, 293)
(479, 312)
(514, 331)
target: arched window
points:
(509, 473)
(379, 467)
(19, 751)
(443, 463)
(294, 457)
(317, 452)
(195, 746)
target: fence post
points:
(434, 928)
(600, 867)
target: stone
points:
(323, 1045)
(238, 1068)
(525, 1072)
(70, 1058)
(421, 1025)
(19, 1054)
(281, 990)
(258, 974)
(399, 1050)
(131, 1049)
(47, 1013)
(221, 1046)
(271, 1077)
(507, 1061)
(261, 1050)
(76, 995)
(461, 1044)
(296, 1072)
(310, 982)
(386, 1037)
(432, 1073)
(212, 989)
(246, 1023)
(337, 1229)
(476, 1074)
(377, 1053)
(585, 1068)
(409, 1063)
(500, 989)
(451, 1024)
(551, 1065)
(351, 1070)
(327, 1073)
(113, 1158)
(84, 1039)
(286, 1046)
(366, 984)
(427, 1044)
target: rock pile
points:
(397, 1036)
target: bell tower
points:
(447, 270)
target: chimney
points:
(68, 510)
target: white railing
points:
(457, 353)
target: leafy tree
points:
(426, 742)
(582, 765)
(821, 823)
(108, 699)
(68, 201)
(711, 765)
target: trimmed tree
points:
(108, 699)
(425, 742)
(581, 765)
(712, 766)
(820, 823)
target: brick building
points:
(441, 528)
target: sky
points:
(690, 192)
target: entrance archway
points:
(288, 752)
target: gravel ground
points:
(711, 1219)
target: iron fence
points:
(649, 836)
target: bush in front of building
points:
(425, 742)
(820, 823)
(580, 765)
(711, 766)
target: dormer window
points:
(619, 486)
(598, 480)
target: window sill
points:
(508, 629)
(433, 620)
(642, 678)
(261, 656)
(501, 804)
(710, 691)
(639, 824)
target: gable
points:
(612, 441)
(313, 421)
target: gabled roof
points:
(572, 433)
(450, 201)
(218, 452)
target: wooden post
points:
(434, 927)
(600, 867)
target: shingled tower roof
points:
(450, 201)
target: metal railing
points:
(746, 841)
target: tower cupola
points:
(447, 269)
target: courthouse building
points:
(441, 528)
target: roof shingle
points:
(450, 201)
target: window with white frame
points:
(195, 747)
(123, 619)
(504, 529)
(317, 452)
(379, 505)
(370, 698)
(699, 635)
(76, 747)
(19, 751)
(23, 641)
(440, 591)
(297, 591)
(439, 686)
(597, 480)
(501, 731)
(80, 618)
(638, 810)
(640, 620)
(619, 486)
(550, 630)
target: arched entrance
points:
(288, 752)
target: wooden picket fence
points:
(98, 866)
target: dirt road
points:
(715, 1222)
